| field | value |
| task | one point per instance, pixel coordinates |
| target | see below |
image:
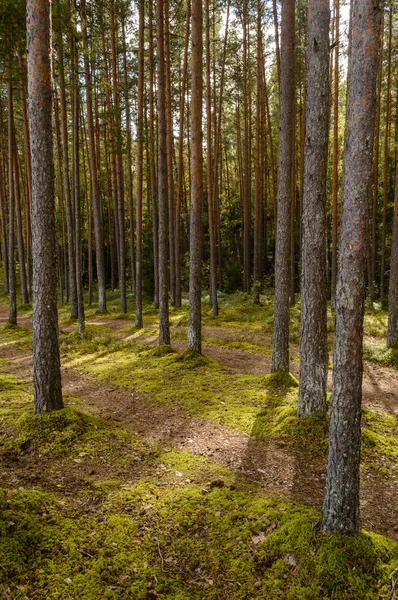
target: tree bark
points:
(335, 177)
(392, 329)
(313, 327)
(46, 359)
(139, 163)
(196, 217)
(12, 287)
(341, 504)
(164, 327)
(95, 195)
(280, 356)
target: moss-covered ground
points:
(91, 510)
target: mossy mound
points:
(55, 432)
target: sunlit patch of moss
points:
(55, 432)
(379, 437)
(156, 538)
(15, 335)
(376, 351)
(375, 322)
(162, 350)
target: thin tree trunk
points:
(95, 194)
(277, 50)
(139, 163)
(67, 186)
(155, 214)
(169, 141)
(180, 180)
(341, 504)
(313, 326)
(280, 357)
(246, 158)
(164, 327)
(46, 359)
(386, 159)
(196, 217)
(335, 177)
(12, 316)
(392, 329)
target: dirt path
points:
(274, 467)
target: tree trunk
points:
(164, 327)
(67, 186)
(196, 217)
(155, 214)
(46, 359)
(12, 316)
(139, 163)
(335, 177)
(280, 357)
(392, 330)
(95, 195)
(341, 504)
(313, 333)
(180, 181)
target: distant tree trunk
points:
(12, 316)
(67, 186)
(196, 225)
(164, 327)
(95, 194)
(375, 197)
(139, 163)
(386, 176)
(280, 357)
(392, 330)
(169, 139)
(76, 182)
(257, 275)
(313, 332)
(341, 504)
(180, 180)
(18, 212)
(335, 178)
(119, 207)
(129, 159)
(46, 360)
(155, 214)
(210, 189)
(246, 157)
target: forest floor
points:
(173, 476)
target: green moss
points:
(377, 352)
(158, 539)
(55, 432)
(162, 350)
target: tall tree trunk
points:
(392, 329)
(164, 327)
(341, 504)
(95, 194)
(210, 189)
(169, 138)
(155, 214)
(129, 159)
(386, 176)
(118, 163)
(313, 326)
(180, 180)
(12, 316)
(196, 217)
(257, 275)
(67, 186)
(277, 50)
(335, 177)
(246, 156)
(46, 359)
(139, 162)
(375, 196)
(280, 357)
(19, 224)
(76, 182)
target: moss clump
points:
(55, 432)
(162, 350)
(192, 359)
(281, 381)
